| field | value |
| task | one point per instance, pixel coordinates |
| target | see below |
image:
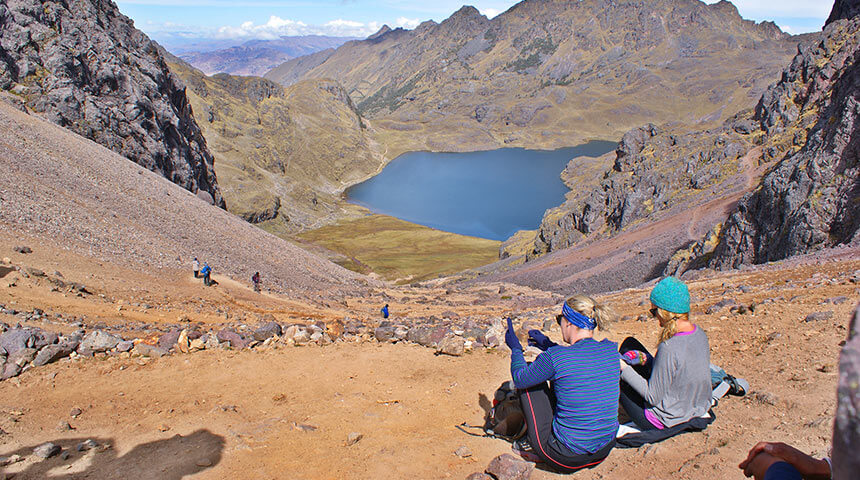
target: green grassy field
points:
(401, 251)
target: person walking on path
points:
(195, 265)
(256, 279)
(207, 270)
(385, 311)
(675, 385)
(572, 420)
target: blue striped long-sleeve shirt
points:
(585, 377)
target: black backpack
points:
(505, 419)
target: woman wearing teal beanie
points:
(675, 385)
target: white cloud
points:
(276, 27)
(408, 23)
(490, 12)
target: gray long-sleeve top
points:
(680, 385)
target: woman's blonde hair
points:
(669, 323)
(602, 314)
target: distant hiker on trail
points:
(256, 279)
(195, 265)
(385, 311)
(572, 423)
(674, 386)
(207, 270)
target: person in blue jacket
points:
(206, 271)
(385, 311)
(573, 420)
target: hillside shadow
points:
(168, 459)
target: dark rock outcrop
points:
(811, 198)
(846, 428)
(84, 66)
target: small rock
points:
(23, 249)
(51, 354)
(463, 452)
(203, 462)
(836, 300)
(304, 427)
(88, 444)
(46, 450)
(354, 438)
(145, 350)
(163, 428)
(182, 342)
(197, 344)
(64, 426)
(124, 346)
(509, 467)
(76, 412)
(818, 316)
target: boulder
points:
(52, 353)
(17, 339)
(818, 316)
(182, 343)
(384, 334)
(234, 339)
(98, 341)
(47, 450)
(266, 331)
(169, 339)
(452, 345)
(145, 350)
(509, 467)
(45, 338)
(124, 346)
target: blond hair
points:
(669, 323)
(602, 314)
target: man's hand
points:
(511, 339)
(764, 454)
(539, 340)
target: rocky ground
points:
(317, 383)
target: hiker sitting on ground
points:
(195, 266)
(572, 424)
(256, 279)
(675, 385)
(207, 270)
(778, 461)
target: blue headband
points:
(577, 319)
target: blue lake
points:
(488, 194)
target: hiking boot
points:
(737, 386)
(524, 449)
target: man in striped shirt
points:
(571, 425)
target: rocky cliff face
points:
(546, 74)
(83, 65)
(811, 198)
(800, 137)
(284, 154)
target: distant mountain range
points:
(547, 74)
(256, 57)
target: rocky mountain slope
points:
(256, 57)
(85, 67)
(58, 186)
(811, 198)
(549, 74)
(785, 175)
(285, 154)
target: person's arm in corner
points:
(765, 454)
(654, 389)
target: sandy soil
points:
(279, 412)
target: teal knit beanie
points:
(671, 295)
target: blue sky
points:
(267, 19)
